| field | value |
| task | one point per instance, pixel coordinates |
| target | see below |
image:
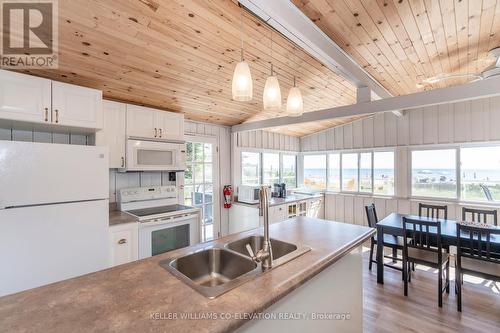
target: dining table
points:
(393, 225)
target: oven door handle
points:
(169, 220)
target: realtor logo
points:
(29, 34)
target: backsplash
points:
(119, 180)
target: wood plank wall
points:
(470, 121)
(464, 122)
(268, 140)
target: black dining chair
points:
(433, 211)
(393, 242)
(479, 215)
(420, 246)
(475, 254)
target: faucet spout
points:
(266, 253)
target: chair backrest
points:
(371, 215)
(433, 211)
(487, 192)
(474, 241)
(479, 215)
(417, 234)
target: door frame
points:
(215, 180)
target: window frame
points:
(457, 148)
(358, 152)
(261, 153)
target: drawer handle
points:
(122, 241)
(46, 114)
(123, 161)
(57, 116)
(156, 132)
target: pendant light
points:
(242, 85)
(272, 91)
(294, 102)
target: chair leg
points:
(409, 272)
(394, 255)
(440, 287)
(448, 277)
(405, 276)
(413, 266)
(458, 289)
(371, 256)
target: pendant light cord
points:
(241, 31)
(272, 71)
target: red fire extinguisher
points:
(228, 196)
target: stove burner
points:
(158, 210)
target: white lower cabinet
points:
(277, 213)
(124, 243)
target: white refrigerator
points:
(53, 213)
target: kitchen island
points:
(142, 296)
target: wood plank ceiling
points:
(401, 43)
(179, 55)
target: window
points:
(315, 171)
(433, 173)
(289, 171)
(334, 172)
(365, 172)
(480, 173)
(250, 168)
(270, 168)
(199, 184)
(350, 172)
(383, 172)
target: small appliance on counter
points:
(248, 194)
(280, 190)
(164, 225)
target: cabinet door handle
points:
(123, 161)
(156, 132)
(46, 114)
(57, 116)
(160, 132)
(122, 241)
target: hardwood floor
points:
(386, 309)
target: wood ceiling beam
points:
(469, 91)
(286, 18)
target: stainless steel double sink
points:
(217, 269)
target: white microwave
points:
(143, 155)
(250, 194)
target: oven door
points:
(155, 156)
(168, 234)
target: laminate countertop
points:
(143, 297)
(281, 201)
(118, 217)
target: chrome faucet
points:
(264, 255)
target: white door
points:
(171, 125)
(141, 122)
(76, 106)
(113, 133)
(201, 184)
(24, 97)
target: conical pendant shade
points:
(242, 85)
(294, 102)
(272, 94)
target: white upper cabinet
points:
(24, 97)
(113, 133)
(145, 122)
(32, 99)
(141, 122)
(76, 106)
(171, 126)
